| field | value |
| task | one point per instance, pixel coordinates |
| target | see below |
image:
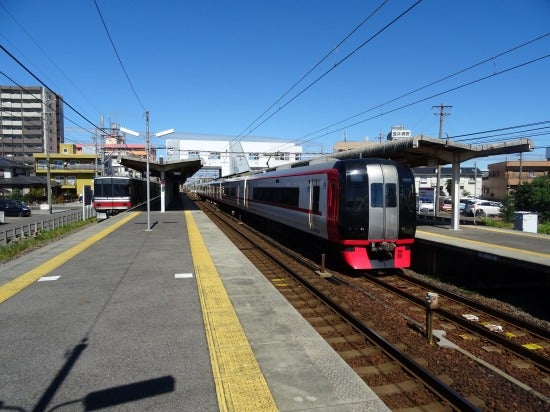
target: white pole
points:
(147, 170)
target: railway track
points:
(398, 380)
(495, 381)
(525, 340)
(380, 315)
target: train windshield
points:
(356, 204)
(111, 188)
(371, 203)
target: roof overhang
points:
(179, 170)
(430, 151)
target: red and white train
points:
(362, 208)
(115, 194)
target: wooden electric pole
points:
(442, 115)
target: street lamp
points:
(147, 144)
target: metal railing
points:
(21, 230)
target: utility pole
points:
(46, 125)
(442, 115)
(520, 167)
(102, 145)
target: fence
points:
(21, 230)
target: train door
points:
(238, 194)
(383, 207)
(314, 193)
(245, 193)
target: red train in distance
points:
(115, 194)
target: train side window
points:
(315, 199)
(391, 195)
(376, 195)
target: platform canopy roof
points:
(179, 170)
(412, 151)
(430, 151)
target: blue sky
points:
(214, 67)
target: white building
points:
(470, 179)
(223, 156)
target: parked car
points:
(12, 207)
(446, 205)
(425, 207)
(463, 201)
(482, 208)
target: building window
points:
(531, 173)
(214, 156)
(193, 154)
(282, 156)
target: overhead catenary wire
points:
(118, 56)
(447, 77)
(337, 64)
(315, 66)
(52, 61)
(501, 129)
(429, 97)
(15, 59)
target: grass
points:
(543, 228)
(21, 246)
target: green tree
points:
(534, 197)
(508, 208)
(449, 186)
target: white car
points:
(482, 208)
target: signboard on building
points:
(398, 132)
(426, 199)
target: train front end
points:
(377, 217)
(112, 195)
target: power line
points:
(45, 85)
(431, 97)
(45, 54)
(501, 129)
(335, 66)
(118, 57)
(313, 68)
(429, 84)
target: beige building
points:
(504, 177)
(29, 116)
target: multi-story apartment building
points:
(504, 177)
(29, 116)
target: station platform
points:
(118, 316)
(510, 244)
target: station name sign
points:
(397, 133)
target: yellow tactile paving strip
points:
(9, 289)
(240, 384)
